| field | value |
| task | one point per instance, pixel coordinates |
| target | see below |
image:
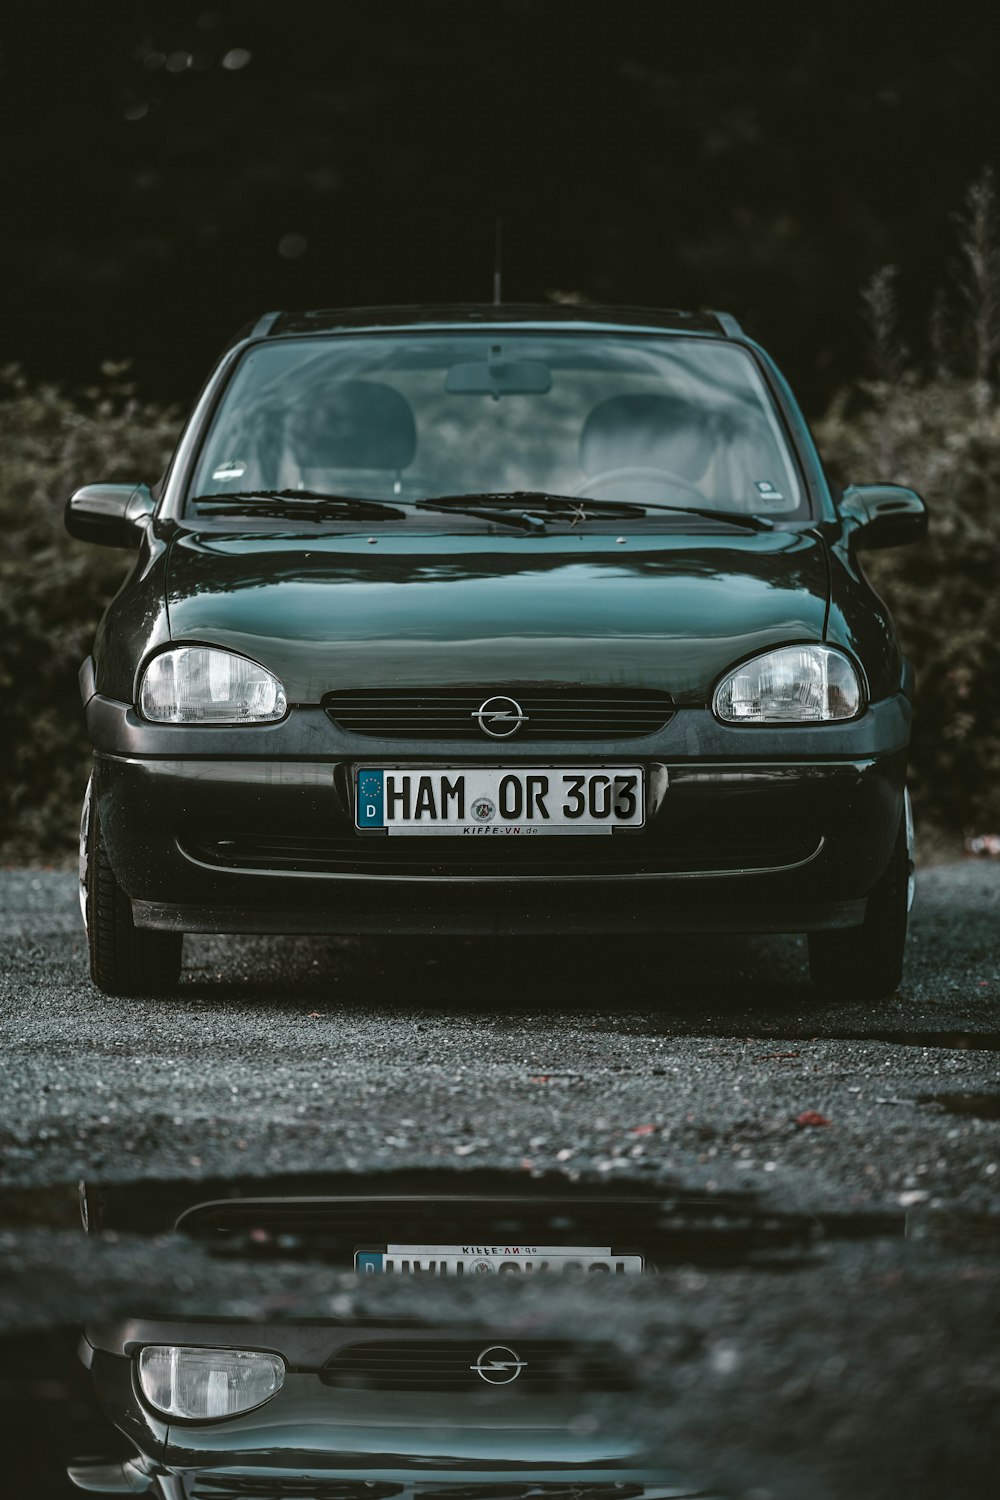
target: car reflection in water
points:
(373, 1407)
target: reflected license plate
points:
(494, 1260)
(490, 801)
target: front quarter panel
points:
(116, 1390)
(136, 620)
(860, 623)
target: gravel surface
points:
(868, 1369)
(293, 1054)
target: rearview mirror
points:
(499, 377)
(885, 515)
(109, 514)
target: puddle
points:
(55, 1207)
(958, 1041)
(965, 1231)
(446, 1223)
(372, 1388)
(441, 1224)
(386, 1392)
(863, 1226)
(975, 1106)
(50, 1414)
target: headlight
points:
(793, 685)
(203, 685)
(204, 1383)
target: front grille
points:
(553, 713)
(422, 1364)
(688, 852)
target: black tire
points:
(866, 962)
(124, 959)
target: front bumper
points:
(251, 829)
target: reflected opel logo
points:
(500, 717)
(498, 1365)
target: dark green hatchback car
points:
(496, 620)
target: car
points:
(343, 1408)
(335, 1409)
(494, 621)
(388, 1395)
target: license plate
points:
(491, 801)
(494, 1260)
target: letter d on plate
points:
(370, 803)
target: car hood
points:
(309, 1424)
(656, 610)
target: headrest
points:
(354, 424)
(646, 431)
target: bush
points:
(935, 426)
(942, 438)
(53, 590)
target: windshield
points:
(419, 415)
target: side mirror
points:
(109, 514)
(884, 515)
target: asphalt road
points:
(869, 1371)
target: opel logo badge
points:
(500, 717)
(498, 1365)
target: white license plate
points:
(494, 1260)
(491, 801)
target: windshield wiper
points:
(749, 519)
(298, 502)
(488, 507)
(287, 502)
(505, 504)
(576, 508)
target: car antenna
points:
(497, 261)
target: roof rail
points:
(264, 324)
(728, 324)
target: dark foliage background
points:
(169, 170)
(53, 589)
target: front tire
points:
(124, 959)
(866, 962)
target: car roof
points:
(525, 315)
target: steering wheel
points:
(632, 474)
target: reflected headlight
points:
(793, 685)
(203, 1383)
(205, 685)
